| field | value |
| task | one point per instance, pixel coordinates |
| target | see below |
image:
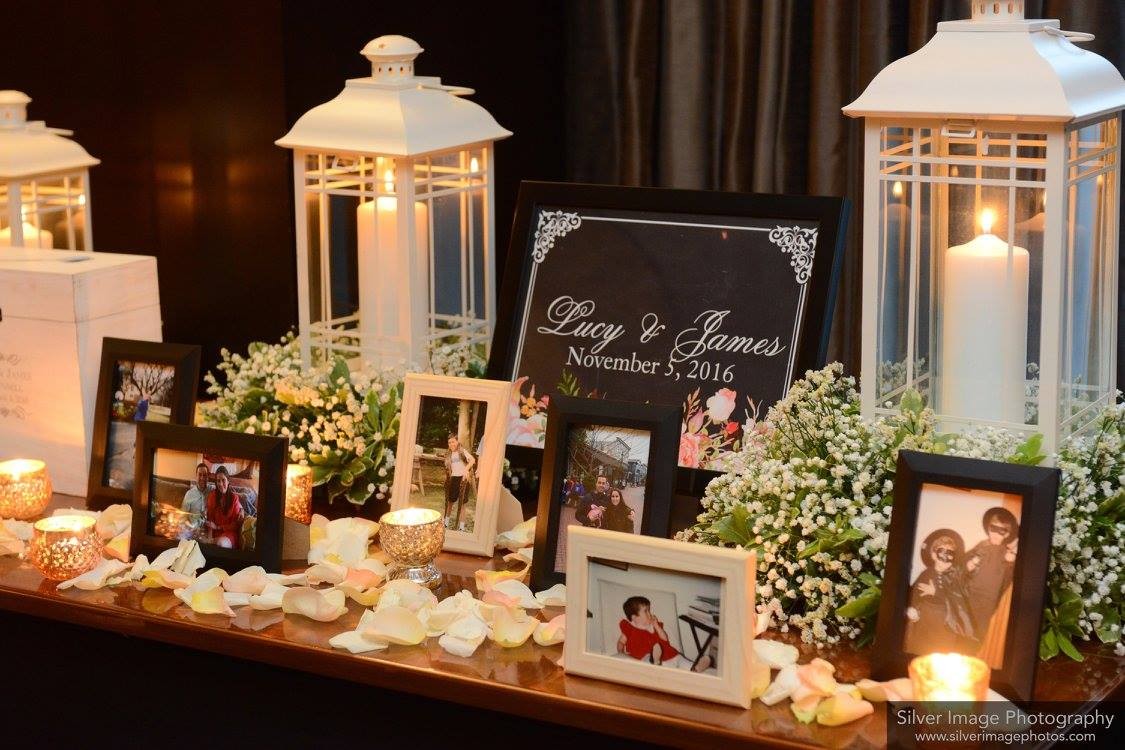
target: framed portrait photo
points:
(710, 302)
(450, 455)
(660, 614)
(139, 381)
(225, 490)
(966, 566)
(607, 465)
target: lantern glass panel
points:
(1086, 370)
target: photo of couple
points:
(961, 590)
(444, 467)
(604, 482)
(218, 505)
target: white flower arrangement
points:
(812, 493)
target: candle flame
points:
(410, 517)
(474, 165)
(987, 219)
(896, 190)
(15, 468)
(65, 523)
(389, 180)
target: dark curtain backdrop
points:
(746, 94)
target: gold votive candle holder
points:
(949, 678)
(25, 488)
(412, 538)
(298, 493)
(63, 547)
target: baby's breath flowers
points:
(812, 493)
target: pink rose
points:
(689, 450)
(721, 405)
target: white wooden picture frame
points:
(733, 567)
(489, 459)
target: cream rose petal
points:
(552, 597)
(520, 535)
(236, 598)
(22, 530)
(289, 579)
(774, 653)
(188, 558)
(323, 606)
(114, 521)
(842, 708)
(487, 579)
(251, 580)
(816, 677)
(396, 625)
(354, 642)
(208, 601)
(509, 631)
(118, 547)
(406, 593)
(551, 632)
(95, 579)
(759, 678)
(269, 598)
(211, 579)
(804, 708)
(782, 686)
(162, 578)
(464, 635)
(326, 572)
(523, 555)
(762, 622)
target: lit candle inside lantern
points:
(949, 677)
(984, 345)
(412, 538)
(33, 236)
(895, 282)
(410, 517)
(25, 488)
(63, 547)
(382, 268)
(298, 493)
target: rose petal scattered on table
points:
(22, 530)
(322, 606)
(269, 598)
(816, 677)
(486, 579)
(10, 544)
(519, 592)
(511, 628)
(364, 597)
(782, 686)
(95, 579)
(344, 541)
(402, 592)
(364, 578)
(552, 597)
(881, 692)
(842, 708)
(436, 621)
(551, 632)
(397, 625)
(114, 521)
(211, 579)
(523, 555)
(762, 622)
(774, 653)
(326, 572)
(162, 578)
(250, 580)
(118, 547)
(354, 642)
(759, 678)
(185, 558)
(207, 601)
(520, 535)
(289, 579)
(805, 707)
(236, 598)
(464, 635)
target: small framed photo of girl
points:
(967, 566)
(450, 455)
(660, 614)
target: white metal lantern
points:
(44, 182)
(394, 215)
(991, 160)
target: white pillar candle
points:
(984, 333)
(32, 237)
(384, 288)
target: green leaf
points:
(1067, 647)
(1109, 630)
(911, 402)
(1030, 452)
(358, 495)
(252, 402)
(735, 528)
(809, 550)
(870, 580)
(339, 370)
(322, 474)
(1048, 645)
(863, 606)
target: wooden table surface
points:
(525, 681)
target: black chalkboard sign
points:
(712, 301)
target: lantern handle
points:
(1072, 36)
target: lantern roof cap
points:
(996, 67)
(394, 112)
(29, 147)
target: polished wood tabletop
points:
(525, 681)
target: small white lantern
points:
(394, 215)
(991, 161)
(44, 182)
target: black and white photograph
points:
(212, 499)
(966, 548)
(604, 482)
(666, 618)
(142, 392)
(445, 466)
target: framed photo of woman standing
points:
(451, 455)
(966, 566)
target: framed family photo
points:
(709, 302)
(966, 568)
(607, 465)
(225, 490)
(139, 381)
(450, 455)
(660, 614)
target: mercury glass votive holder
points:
(298, 493)
(412, 538)
(25, 488)
(949, 678)
(63, 547)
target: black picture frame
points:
(271, 454)
(565, 413)
(1037, 488)
(184, 358)
(830, 214)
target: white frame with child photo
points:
(666, 573)
(487, 463)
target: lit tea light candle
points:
(25, 488)
(298, 493)
(949, 677)
(412, 538)
(63, 547)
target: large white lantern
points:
(991, 161)
(44, 182)
(394, 215)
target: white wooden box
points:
(55, 308)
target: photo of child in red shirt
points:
(642, 633)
